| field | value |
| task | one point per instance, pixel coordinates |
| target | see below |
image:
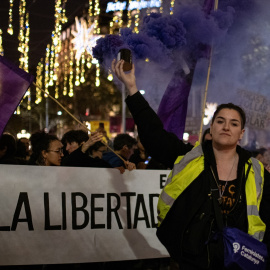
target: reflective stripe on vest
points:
(253, 189)
(187, 168)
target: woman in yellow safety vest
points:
(186, 218)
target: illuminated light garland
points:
(56, 67)
(51, 66)
(10, 19)
(96, 15)
(26, 42)
(129, 18)
(95, 62)
(137, 18)
(161, 6)
(24, 46)
(21, 36)
(172, 7)
(117, 20)
(64, 18)
(29, 101)
(111, 27)
(90, 12)
(82, 79)
(1, 44)
(39, 82)
(47, 71)
(88, 61)
(53, 51)
(97, 75)
(65, 75)
(56, 40)
(71, 73)
(77, 76)
(56, 95)
(21, 21)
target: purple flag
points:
(14, 82)
(172, 110)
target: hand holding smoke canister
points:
(124, 70)
(125, 54)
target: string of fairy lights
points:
(70, 52)
(1, 43)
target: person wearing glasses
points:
(47, 150)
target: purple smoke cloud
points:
(173, 44)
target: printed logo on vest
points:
(236, 247)
(248, 253)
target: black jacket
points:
(189, 222)
(79, 159)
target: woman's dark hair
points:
(77, 136)
(40, 141)
(232, 107)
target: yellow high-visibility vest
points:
(188, 167)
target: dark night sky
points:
(41, 21)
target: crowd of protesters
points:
(79, 149)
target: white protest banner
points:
(257, 109)
(53, 215)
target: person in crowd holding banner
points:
(124, 146)
(73, 139)
(88, 154)
(214, 184)
(47, 149)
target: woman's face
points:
(54, 154)
(98, 153)
(226, 129)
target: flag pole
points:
(75, 118)
(207, 82)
